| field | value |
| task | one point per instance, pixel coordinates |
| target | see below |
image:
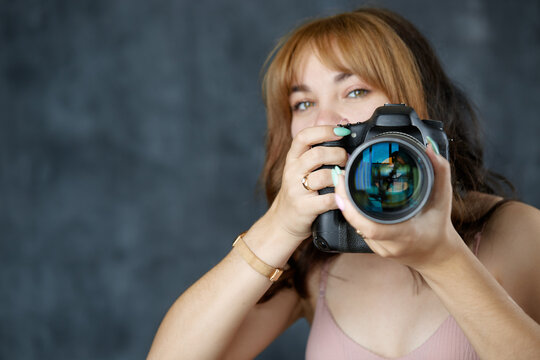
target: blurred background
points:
(132, 136)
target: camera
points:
(388, 176)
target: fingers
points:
(441, 194)
(303, 160)
(310, 136)
(318, 156)
(323, 203)
(319, 179)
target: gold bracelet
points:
(253, 260)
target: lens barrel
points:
(389, 177)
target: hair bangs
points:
(338, 47)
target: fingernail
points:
(339, 202)
(335, 175)
(341, 131)
(433, 145)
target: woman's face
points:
(324, 96)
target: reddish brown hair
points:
(388, 53)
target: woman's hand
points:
(424, 240)
(295, 207)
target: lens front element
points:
(389, 178)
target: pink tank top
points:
(327, 340)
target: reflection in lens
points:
(388, 180)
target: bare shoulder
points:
(514, 226)
(510, 249)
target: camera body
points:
(399, 126)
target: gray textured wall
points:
(131, 138)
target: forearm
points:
(203, 321)
(494, 324)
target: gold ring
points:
(305, 183)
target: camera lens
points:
(389, 178)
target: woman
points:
(457, 281)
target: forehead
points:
(331, 57)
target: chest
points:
(382, 307)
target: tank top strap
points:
(483, 220)
(477, 239)
(323, 278)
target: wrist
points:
(270, 272)
(283, 225)
(269, 242)
(449, 261)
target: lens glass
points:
(387, 179)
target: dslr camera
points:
(388, 177)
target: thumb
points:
(441, 194)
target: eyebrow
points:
(304, 88)
(341, 76)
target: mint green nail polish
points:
(338, 170)
(341, 131)
(433, 145)
(335, 177)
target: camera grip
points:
(332, 232)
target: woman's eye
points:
(303, 105)
(357, 93)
